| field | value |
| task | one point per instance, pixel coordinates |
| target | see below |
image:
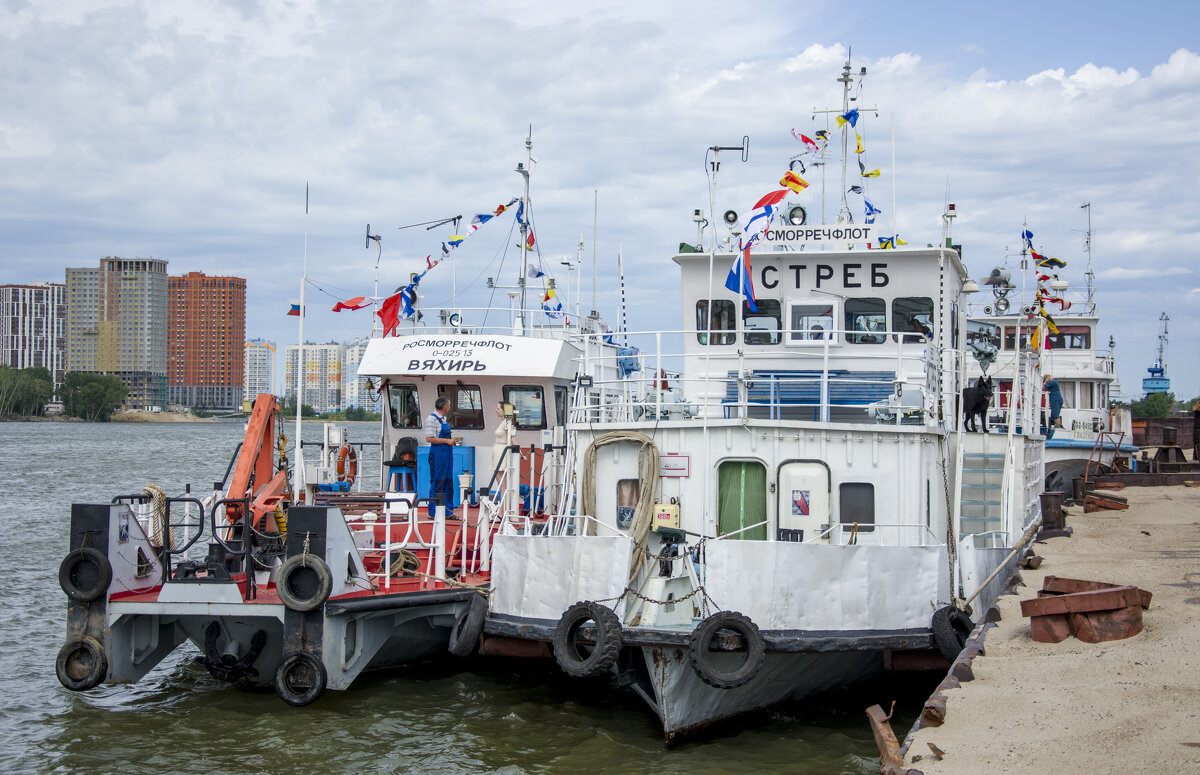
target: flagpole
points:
(895, 233)
(298, 476)
(595, 226)
(621, 285)
(523, 169)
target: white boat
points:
(1094, 431)
(290, 573)
(808, 513)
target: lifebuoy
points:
(951, 627)
(468, 626)
(347, 464)
(81, 664)
(85, 574)
(304, 582)
(702, 657)
(300, 679)
(569, 654)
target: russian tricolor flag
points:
(294, 311)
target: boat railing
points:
(740, 530)
(822, 380)
(237, 535)
(408, 515)
(876, 534)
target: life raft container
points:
(701, 642)
(347, 464)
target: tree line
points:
(25, 392)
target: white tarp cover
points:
(541, 576)
(793, 586)
(462, 355)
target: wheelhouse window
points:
(560, 405)
(1010, 333)
(529, 408)
(1071, 338)
(763, 326)
(866, 321)
(466, 406)
(720, 321)
(742, 499)
(403, 408)
(914, 316)
(1067, 388)
(811, 323)
(1086, 398)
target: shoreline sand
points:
(1130, 705)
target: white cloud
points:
(187, 130)
(1124, 273)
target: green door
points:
(742, 499)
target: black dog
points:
(975, 403)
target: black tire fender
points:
(300, 679)
(85, 574)
(468, 626)
(567, 652)
(303, 582)
(701, 642)
(951, 627)
(81, 664)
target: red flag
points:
(529, 241)
(358, 302)
(771, 199)
(389, 314)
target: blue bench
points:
(780, 388)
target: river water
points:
(449, 716)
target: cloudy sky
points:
(189, 130)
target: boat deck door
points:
(804, 507)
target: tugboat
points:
(289, 576)
(806, 523)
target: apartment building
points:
(117, 324)
(322, 375)
(33, 327)
(259, 368)
(206, 339)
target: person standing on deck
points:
(437, 434)
(1054, 396)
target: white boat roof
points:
(449, 354)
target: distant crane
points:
(1158, 382)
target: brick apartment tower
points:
(206, 341)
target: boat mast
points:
(523, 169)
(1091, 286)
(298, 475)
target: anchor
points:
(227, 667)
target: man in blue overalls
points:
(437, 433)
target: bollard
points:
(1052, 513)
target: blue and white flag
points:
(739, 280)
(1027, 238)
(871, 209)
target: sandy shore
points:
(140, 416)
(1128, 706)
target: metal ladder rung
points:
(981, 503)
